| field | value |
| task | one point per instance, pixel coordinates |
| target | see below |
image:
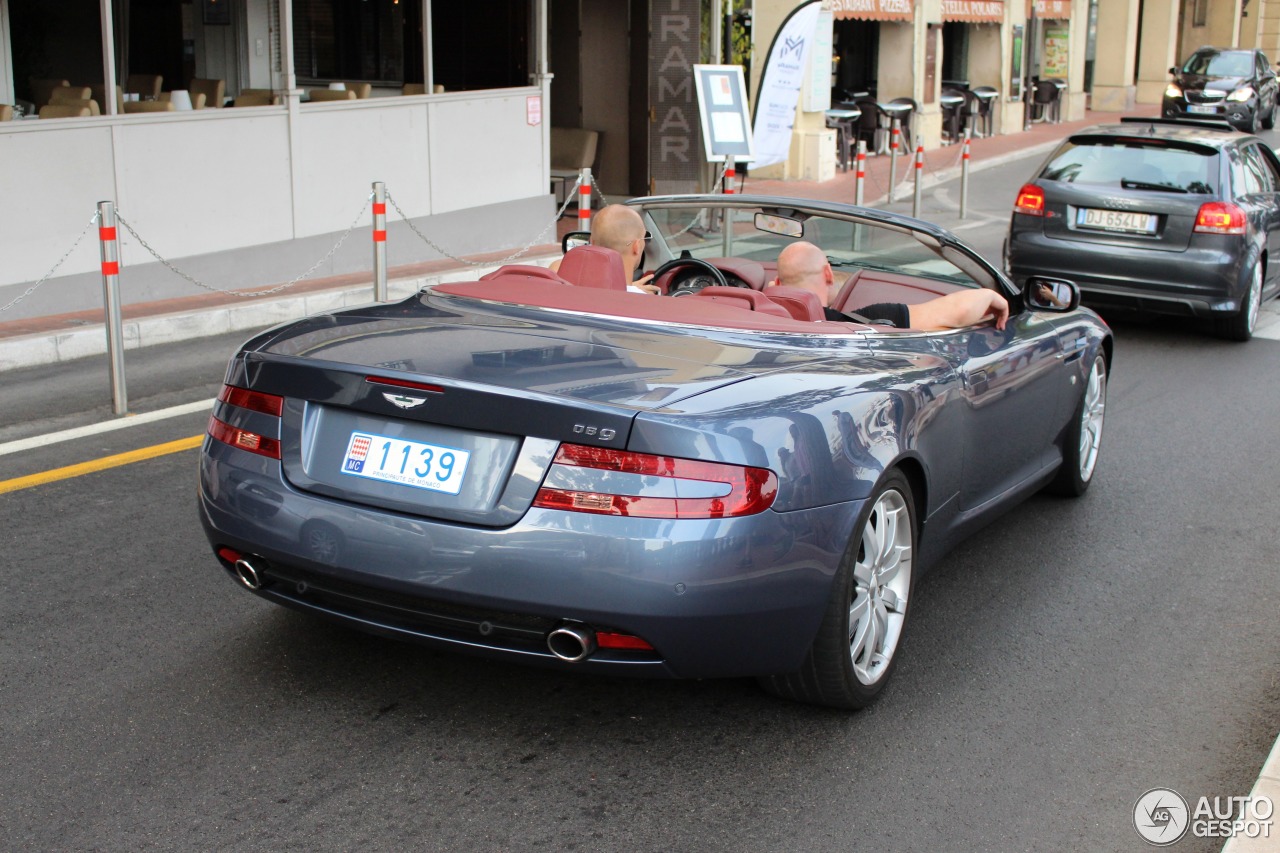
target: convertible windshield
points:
(759, 234)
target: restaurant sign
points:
(873, 10)
(1057, 10)
(978, 11)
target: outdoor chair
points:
(64, 111)
(214, 92)
(144, 85)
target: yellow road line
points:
(100, 464)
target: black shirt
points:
(894, 314)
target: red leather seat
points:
(741, 297)
(593, 266)
(799, 303)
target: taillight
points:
(255, 401)
(1219, 217)
(1030, 201)
(268, 404)
(243, 439)
(667, 487)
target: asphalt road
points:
(1060, 663)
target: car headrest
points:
(800, 303)
(741, 297)
(593, 266)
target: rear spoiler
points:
(1201, 123)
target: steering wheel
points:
(694, 281)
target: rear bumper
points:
(1199, 282)
(734, 597)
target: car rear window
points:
(1134, 164)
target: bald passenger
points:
(804, 265)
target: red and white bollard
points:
(380, 242)
(964, 174)
(919, 186)
(894, 133)
(860, 173)
(730, 176)
(584, 201)
(111, 303)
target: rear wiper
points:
(1130, 184)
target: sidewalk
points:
(64, 337)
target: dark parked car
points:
(1238, 86)
(717, 481)
(1161, 216)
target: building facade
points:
(1100, 54)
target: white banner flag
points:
(780, 89)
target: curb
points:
(1268, 785)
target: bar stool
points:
(980, 106)
(952, 102)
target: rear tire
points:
(853, 654)
(1083, 440)
(1239, 326)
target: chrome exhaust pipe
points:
(248, 574)
(572, 642)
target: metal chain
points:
(32, 289)
(537, 240)
(120, 218)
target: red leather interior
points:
(752, 300)
(594, 266)
(685, 310)
(800, 303)
(523, 271)
(871, 287)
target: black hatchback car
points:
(1156, 215)
(1238, 86)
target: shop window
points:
(353, 39)
(480, 45)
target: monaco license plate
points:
(409, 463)
(1116, 220)
(1202, 109)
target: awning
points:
(973, 11)
(873, 10)
(1057, 10)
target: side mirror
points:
(1051, 294)
(1173, 71)
(574, 239)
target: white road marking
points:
(106, 426)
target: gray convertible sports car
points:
(545, 468)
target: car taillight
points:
(268, 404)
(243, 439)
(586, 479)
(1219, 217)
(1030, 201)
(255, 401)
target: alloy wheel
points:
(882, 582)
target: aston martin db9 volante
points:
(716, 481)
